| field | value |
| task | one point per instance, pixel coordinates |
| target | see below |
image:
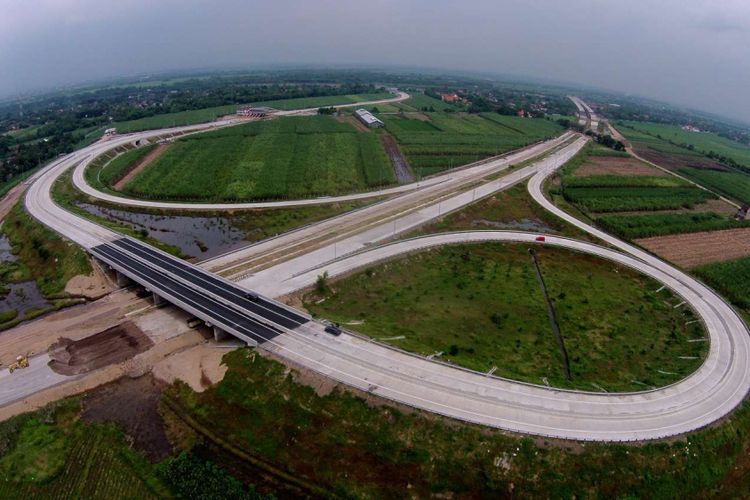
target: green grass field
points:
(643, 226)
(323, 101)
(453, 139)
(701, 141)
(731, 277)
(276, 159)
(733, 184)
(482, 307)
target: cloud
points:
(689, 51)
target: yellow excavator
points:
(21, 362)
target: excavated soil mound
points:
(113, 345)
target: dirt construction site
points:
(78, 349)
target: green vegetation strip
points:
(642, 226)
(480, 305)
(616, 199)
(282, 158)
(622, 181)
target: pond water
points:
(22, 297)
(6, 255)
(200, 237)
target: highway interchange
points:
(292, 261)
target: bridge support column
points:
(219, 334)
(158, 300)
(122, 280)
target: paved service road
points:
(710, 393)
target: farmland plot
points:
(452, 139)
(287, 157)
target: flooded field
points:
(23, 297)
(195, 236)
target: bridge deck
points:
(216, 301)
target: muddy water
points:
(6, 255)
(22, 297)
(200, 237)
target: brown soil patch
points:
(200, 366)
(694, 249)
(398, 162)
(613, 165)
(673, 161)
(133, 404)
(10, 199)
(92, 286)
(113, 345)
(136, 168)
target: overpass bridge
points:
(221, 304)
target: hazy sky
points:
(692, 52)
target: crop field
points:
(642, 226)
(622, 181)
(701, 141)
(113, 170)
(481, 306)
(322, 101)
(611, 165)
(618, 199)
(734, 184)
(421, 102)
(276, 159)
(695, 249)
(452, 139)
(175, 119)
(53, 455)
(731, 277)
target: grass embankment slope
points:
(260, 408)
(481, 306)
(276, 159)
(433, 142)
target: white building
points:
(368, 118)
